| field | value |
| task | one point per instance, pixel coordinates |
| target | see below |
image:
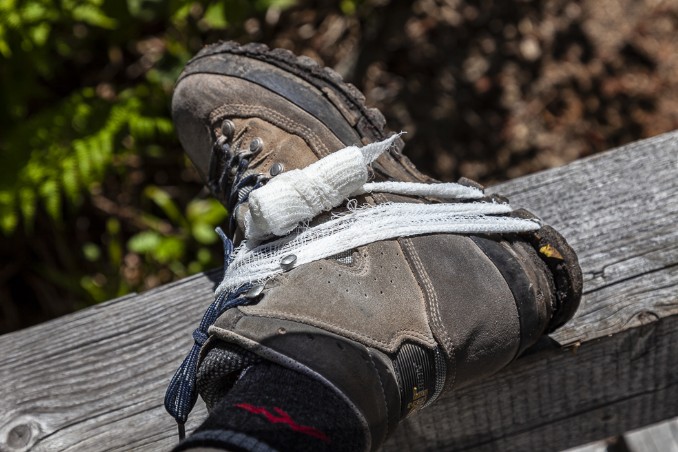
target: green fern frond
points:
(27, 204)
(51, 196)
(82, 156)
(65, 150)
(70, 180)
(9, 216)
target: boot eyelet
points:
(256, 145)
(227, 129)
(287, 262)
(276, 169)
(254, 292)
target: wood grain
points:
(662, 437)
(618, 210)
(95, 380)
(558, 398)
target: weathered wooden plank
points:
(618, 210)
(662, 437)
(612, 262)
(558, 398)
(598, 446)
(95, 380)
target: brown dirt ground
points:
(493, 90)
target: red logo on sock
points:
(284, 418)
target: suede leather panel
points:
(473, 313)
(375, 301)
(268, 76)
(222, 96)
(279, 145)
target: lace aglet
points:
(182, 430)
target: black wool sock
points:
(272, 407)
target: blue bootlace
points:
(225, 175)
(181, 394)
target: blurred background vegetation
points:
(97, 199)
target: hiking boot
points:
(280, 110)
(411, 290)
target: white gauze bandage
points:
(299, 195)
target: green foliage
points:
(85, 87)
(62, 135)
(44, 159)
(197, 223)
(183, 250)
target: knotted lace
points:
(230, 183)
(181, 393)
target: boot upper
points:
(392, 321)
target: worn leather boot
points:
(286, 110)
(412, 290)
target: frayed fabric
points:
(365, 225)
(284, 206)
(444, 191)
(291, 198)
(299, 195)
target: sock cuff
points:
(204, 440)
(281, 409)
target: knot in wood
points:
(20, 436)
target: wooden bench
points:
(95, 379)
